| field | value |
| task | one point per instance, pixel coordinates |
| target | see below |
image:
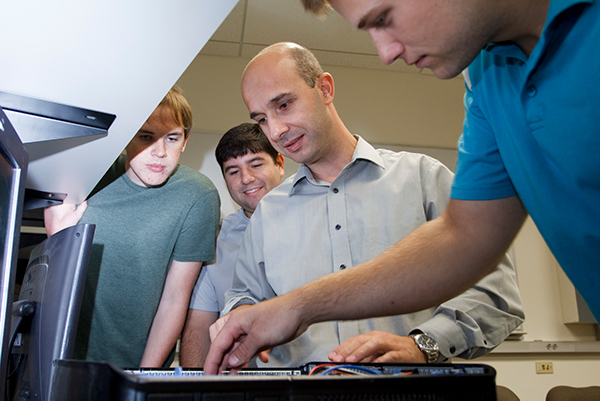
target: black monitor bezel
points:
(13, 151)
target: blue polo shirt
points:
(532, 128)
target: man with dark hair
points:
(251, 168)
(156, 222)
(347, 203)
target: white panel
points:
(114, 56)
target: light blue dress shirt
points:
(216, 276)
(306, 228)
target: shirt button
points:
(531, 91)
(335, 190)
(338, 227)
(342, 267)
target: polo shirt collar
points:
(554, 10)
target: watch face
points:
(428, 342)
(428, 346)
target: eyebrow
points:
(174, 132)
(230, 167)
(254, 159)
(364, 21)
(273, 101)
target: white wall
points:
(400, 109)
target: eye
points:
(284, 105)
(145, 137)
(381, 20)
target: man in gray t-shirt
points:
(156, 222)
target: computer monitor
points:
(13, 171)
(47, 313)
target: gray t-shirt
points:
(139, 231)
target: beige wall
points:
(409, 110)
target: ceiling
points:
(255, 24)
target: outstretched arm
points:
(172, 310)
(436, 262)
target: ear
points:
(325, 86)
(280, 165)
(185, 142)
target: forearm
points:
(195, 339)
(171, 313)
(438, 261)
(166, 327)
(478, 320)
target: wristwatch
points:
(428, 346)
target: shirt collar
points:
(554, 10)
(363, 151)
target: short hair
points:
(180, 108)
(316, 7)
(307, 65)
(244, 138)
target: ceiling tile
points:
(269, 21)
(216, 48)
(255, 24)
(231, 29)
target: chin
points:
(155, 182)
(443, 73)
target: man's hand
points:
(59, 217)
(378, 346)
(251, 330)
(216, 327)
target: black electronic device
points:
(46, 316)
(13, 172)
(84, 380)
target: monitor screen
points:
(53, 283)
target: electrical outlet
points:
(544, 367)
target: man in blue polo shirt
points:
(531, 79)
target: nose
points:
(247, 176)
(389, 48)
(277, 128)
(159, 148)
